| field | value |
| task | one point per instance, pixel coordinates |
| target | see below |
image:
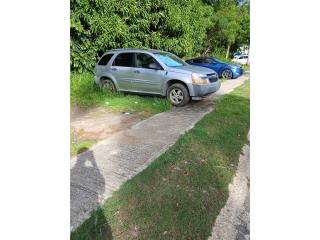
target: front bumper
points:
(200, 91)
(237, 72)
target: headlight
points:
(199, 78)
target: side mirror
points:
(154, 66)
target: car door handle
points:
(136, 71)
(114, 69)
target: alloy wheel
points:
(176, 95)
(108, 86)
(227, 74)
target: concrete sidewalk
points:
(97, 173)
(233, 222)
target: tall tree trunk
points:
(228, 50)
(206, 51)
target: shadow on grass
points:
(95, 228)
(87, 188)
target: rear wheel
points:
(108, 85)
(178, 95)
(226, 74)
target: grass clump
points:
(85, 92)
(78, 146)
(180, 194)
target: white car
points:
(243, 59)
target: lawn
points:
(180, 194)
(84, 92)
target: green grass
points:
(77, 146)
(84, 92)
(180, 194)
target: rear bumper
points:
(200, 91)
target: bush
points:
(84, 91)
(178, 26)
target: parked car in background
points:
(243, 59)
(237, 53)
(224, 70)
(155, 72)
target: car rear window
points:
(105, 59)
(124, 60)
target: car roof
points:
(201, 57)
(145, 50)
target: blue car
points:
(224, 70)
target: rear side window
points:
(199, 60)
(208, 60)
(124, 60)
(105, 59)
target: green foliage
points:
(231, 26)
(244, 28)
(178, 26)
(183, 27)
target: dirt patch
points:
(99, 123)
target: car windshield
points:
(170, 60)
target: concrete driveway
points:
(97, 173)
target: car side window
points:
(143, 60)
(124, 60)
(105, 59)
(208, 60)
(240, 57)
(199, 60)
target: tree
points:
(178, 26)
(230, 28)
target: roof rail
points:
(120, 49)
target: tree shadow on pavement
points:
(86, 191)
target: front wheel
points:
(226, 74)
(108, 86)
(178, 95)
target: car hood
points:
(192, 69)
(234, 65)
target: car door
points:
(122, 70)
(147, 79)
(245, 60)
(210, 63)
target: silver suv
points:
(155, 72)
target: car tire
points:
(178, 95)
(108, 85)
(226, 74)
